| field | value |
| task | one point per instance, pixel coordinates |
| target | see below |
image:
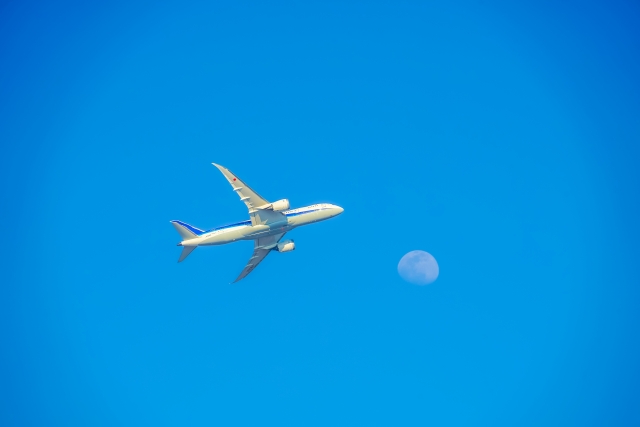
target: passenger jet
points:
(267, 225)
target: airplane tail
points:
(187, 232)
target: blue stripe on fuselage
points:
(301, 213)
(248, 222)
(235, 224)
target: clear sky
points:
(501, 138)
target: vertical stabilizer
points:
(185, 230)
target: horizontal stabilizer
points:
(186, 250)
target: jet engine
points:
(280, 205)
(286, 246)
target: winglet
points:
(226, 172)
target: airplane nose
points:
(339, 209)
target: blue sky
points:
(502, 139)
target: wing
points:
(257, 206)
(261, 248)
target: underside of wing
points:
(258, 207)
(261, 248)
(250, 198)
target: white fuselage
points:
(245, 231)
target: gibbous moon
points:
(419, 268)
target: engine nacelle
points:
(280, 205)
(286, 246)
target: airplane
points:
(268, 223)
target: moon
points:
(418, 267)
